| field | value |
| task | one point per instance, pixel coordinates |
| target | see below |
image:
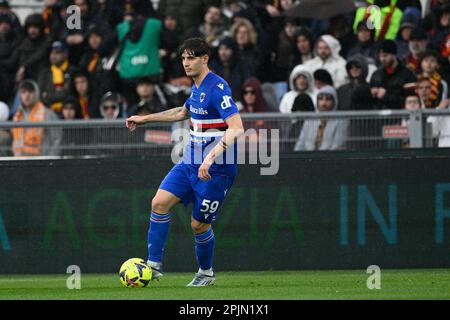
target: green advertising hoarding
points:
(321, 211)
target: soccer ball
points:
(135, 273)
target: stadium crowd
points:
(121, 60)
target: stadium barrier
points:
(323, 210)
(363, 130)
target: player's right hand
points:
(132, 122)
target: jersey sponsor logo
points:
(220, 85)
(226, 102)
(202, 97)
(198, 110)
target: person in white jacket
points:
(324, 134)
(300, 81)
(327, 57)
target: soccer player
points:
(205, 173)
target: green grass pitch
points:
(268, 285)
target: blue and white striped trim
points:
(204, 237)
(160, 218)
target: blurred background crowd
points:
(121, 58)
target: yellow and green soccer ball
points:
(134, 273)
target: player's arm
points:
(234, 131)
(171, 115)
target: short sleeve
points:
(223, 102)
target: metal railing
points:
(344, 130)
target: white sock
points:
(208, 272)
(156, 265)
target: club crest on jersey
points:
(202, 97)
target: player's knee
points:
(199, 227)
(159, 205)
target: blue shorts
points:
(207, 196)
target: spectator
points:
(246, 38)
(232, 8)
(55, 81)
(73, 139)
(110, 106)
(356, 95)
(428, 98)
(252, 102)
(303, 49)
(365, 44)
(445, 59)
(188, 13)
(5, 9)
(91, 59)
(300, 82)
(418, 42)
(139, 57)
(291, 131)
(412, 102)
(107, 138)
(323, 134)
(101, 80)
(229, 66)
(303, 103)
(9, 46)
(437, 23)
(386, 21)
(33, 50)
(103, 10)
(75, 39)
(5, 136)
(391, 81)
(152, 98)
(252, 98)
(87, 100)
(322, 78)
(282, 54)
(34, 141)
(430, 68)
(71, 109)
(339, 27)
(411, 19)
(328, 58)
(170, 41)
(212, 29)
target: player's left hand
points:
(203, 171)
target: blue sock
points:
(204, 249)
(157, 236)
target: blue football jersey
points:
(210, 106)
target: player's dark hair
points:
(196, 47)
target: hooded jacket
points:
(289, 97)
(260, 104)
(356, 96)
(334, 134)
(36, 141)
(334, 64)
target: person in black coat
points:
(34, 49)
(230, 66)
(392, 80)
(9, 45)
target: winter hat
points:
(5, 18)
(388, 46)
(323, 76)
(418, 34)
(35, 20)
(303, 102)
